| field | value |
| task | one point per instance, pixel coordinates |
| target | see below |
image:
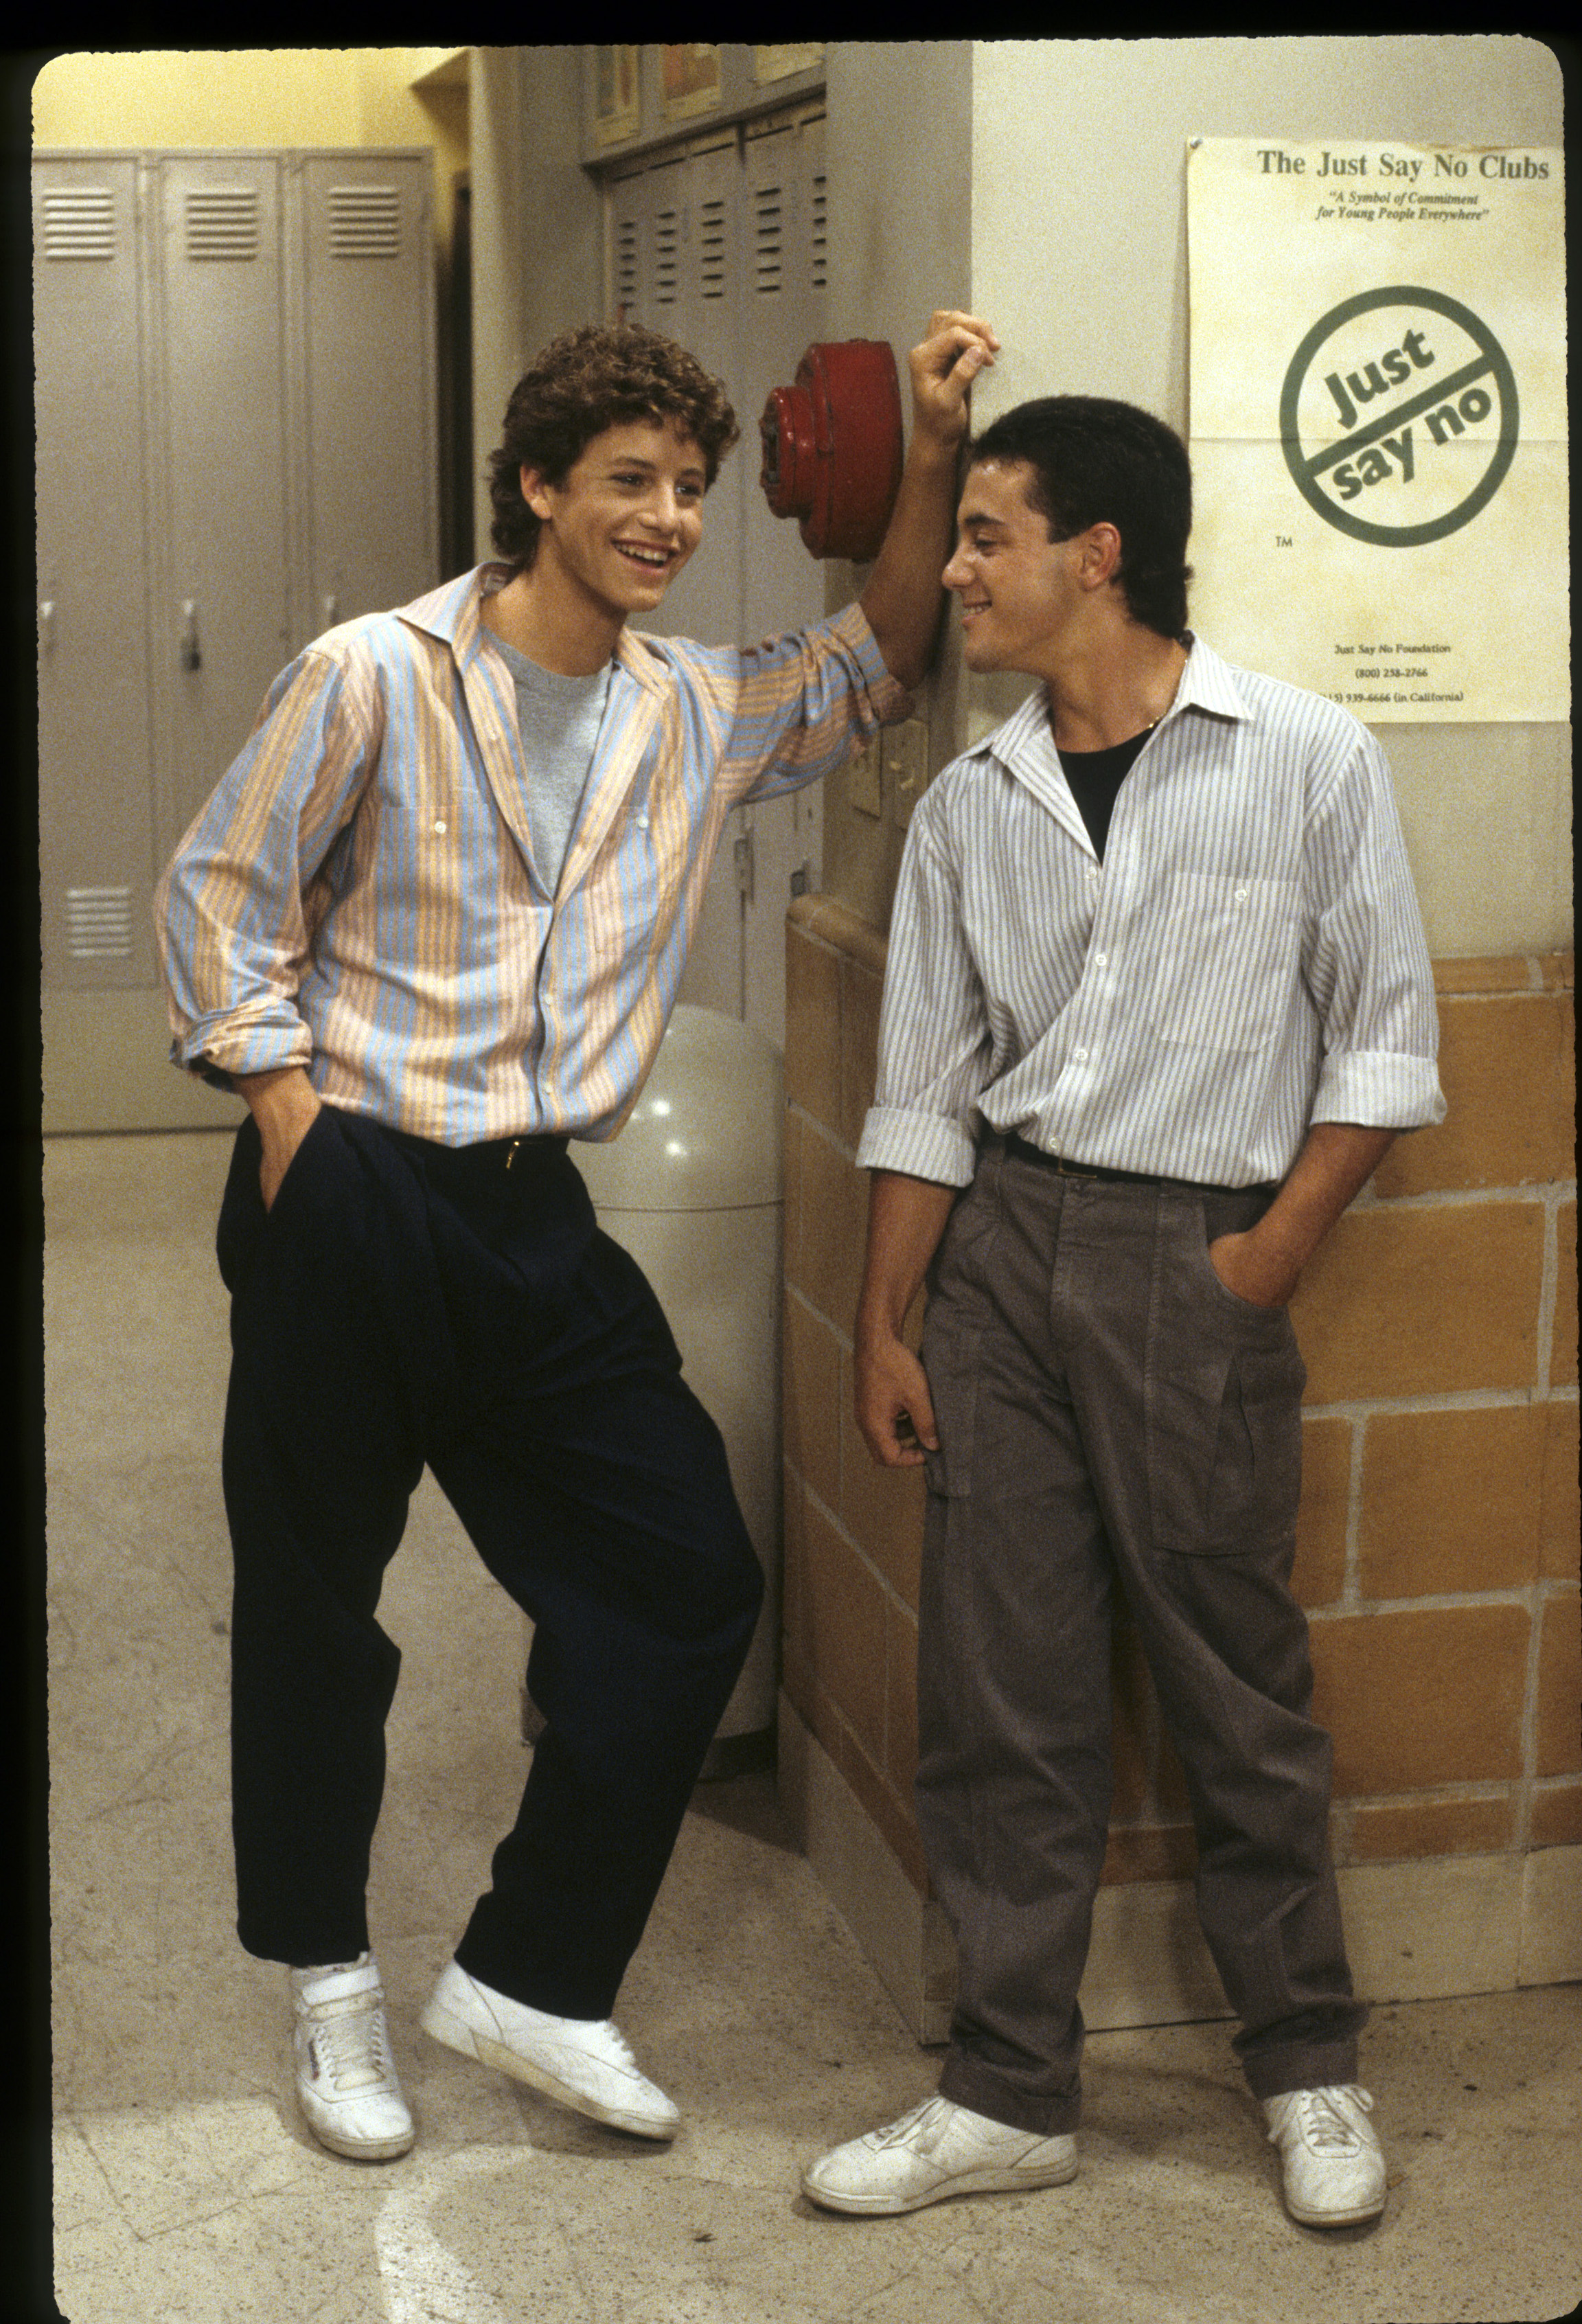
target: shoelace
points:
(1323, 2124)
(349, 2043)
(899, 2133)
(618, 2043)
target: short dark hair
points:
(1095, 461)
(589, 379)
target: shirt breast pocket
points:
(1226, 960)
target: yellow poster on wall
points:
(1378, 393)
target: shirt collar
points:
(453, 613)
(1025, 743)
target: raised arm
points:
(904, 594)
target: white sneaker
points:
(1331, 2162)
(346, 2077)
(582, 2061)
(939, 2149)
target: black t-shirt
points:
(1095, 777)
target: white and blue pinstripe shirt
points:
(1247, 959)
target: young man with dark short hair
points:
(1157, 1000)
(430, 926)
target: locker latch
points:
(191, 652)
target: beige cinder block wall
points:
(1439, 1545)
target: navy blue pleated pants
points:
(403, 1303)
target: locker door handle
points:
(332, 610)
(46, 623)
(191, 652)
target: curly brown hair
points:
(588, 379)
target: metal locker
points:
(367, 436)
(720, 243)
(673, 236)
(236, 423)
(225, 546)
(95, 813)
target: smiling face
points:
(1017, 588)
(623, 520)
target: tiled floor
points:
(188, 2190)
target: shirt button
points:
(1080, 1056)
(1241, 895)
(439, 827)
(1100, 959)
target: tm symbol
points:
(1283, 540)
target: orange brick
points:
(1560, 1525)
(1318, 1575)
(1419, 1699)
(901, 1713)
(1401, 1302)
(860, 994)
(834, 1228)
(813, 1399)
(882, 1508)
(844, 1631)
(1560, 1689)
(1562, 1363)
(813, 1027)
(1149, 1852)
(1556, 1817)
(1506, 972)
(1450, 1500)
(1430, 1828)
(1508, 1070)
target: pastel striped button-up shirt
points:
(1247, 959)
(359, 895)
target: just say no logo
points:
(1398, 417)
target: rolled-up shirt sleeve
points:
(934, 1041)
(234, 911)
(1366, 960)
(795, 707)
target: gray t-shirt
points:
(558, 718)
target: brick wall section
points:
(1437, 1544)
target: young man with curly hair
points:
(430, 925)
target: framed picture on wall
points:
(617, 105)
(689, 77)
(780, 58)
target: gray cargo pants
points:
(1109, 1412)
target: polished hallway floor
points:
(188, 2191)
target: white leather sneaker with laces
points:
(346, 2077)
(939, 2149)
(1332, 2166)
(582, 2061)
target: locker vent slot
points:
(80, 223)
(364, 221)
(768, 223)
(711, 252)
(821, 254)
(667, 240)
(98, 923)
(222, 221)
(626, 265)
